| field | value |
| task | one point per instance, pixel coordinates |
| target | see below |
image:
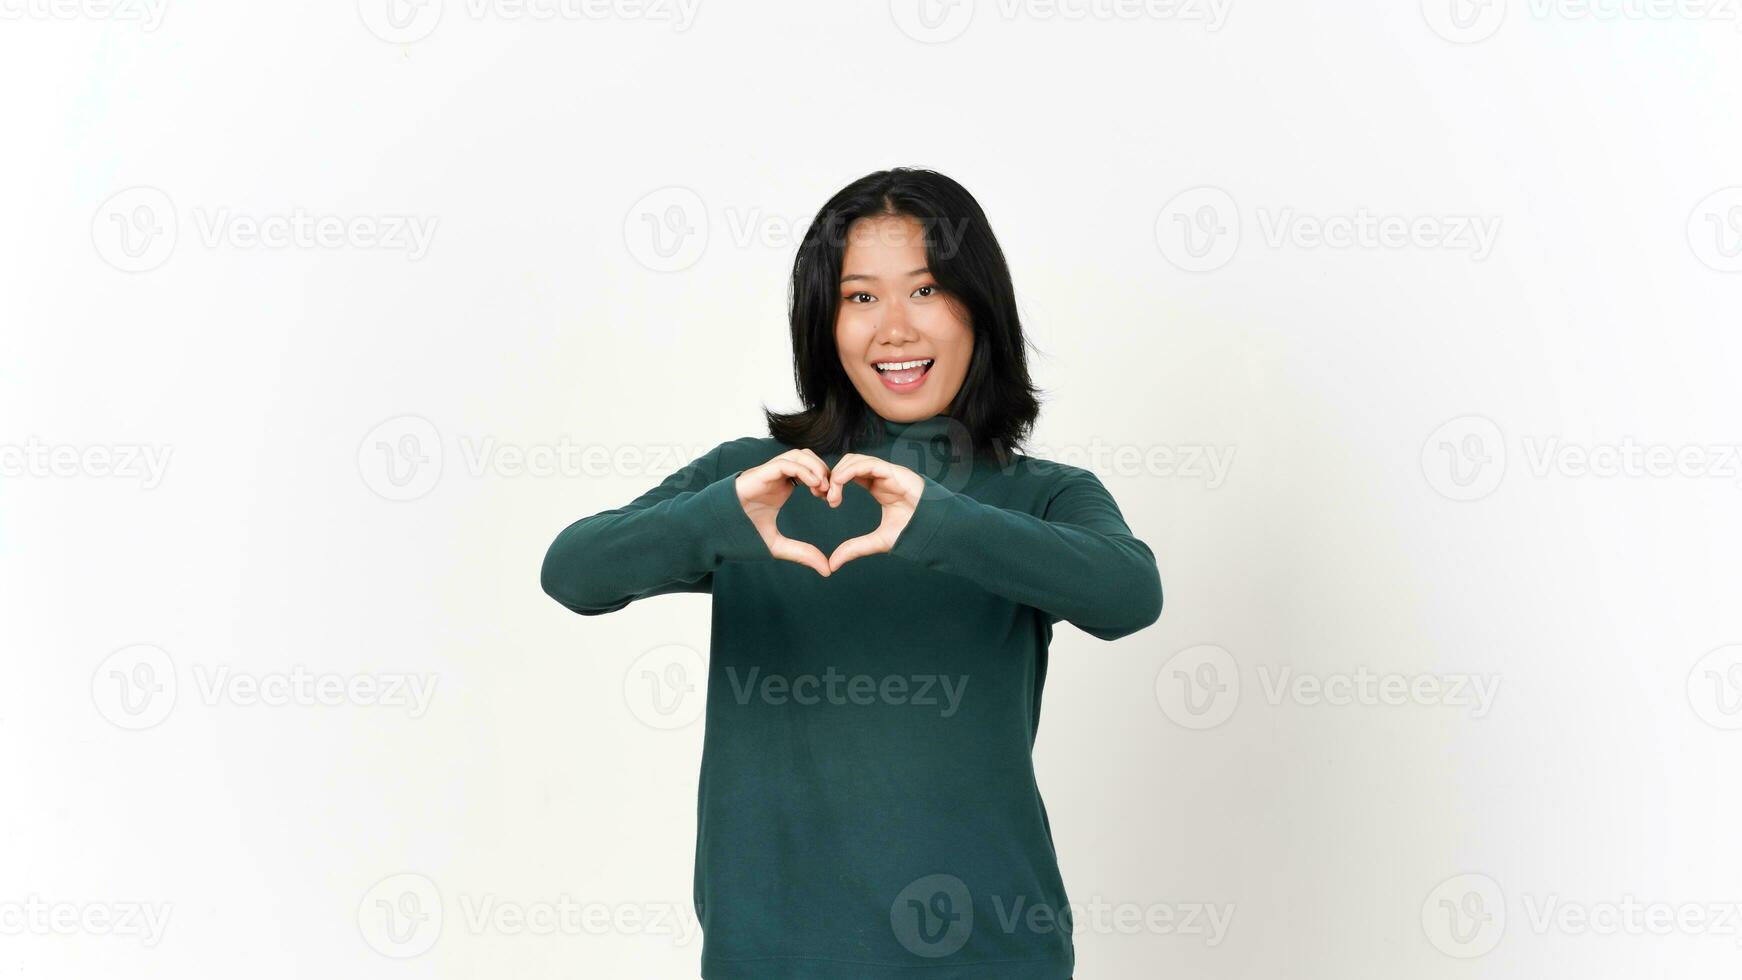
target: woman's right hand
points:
(764, 489)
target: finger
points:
(818, 474)
(803, 552)
(821, 468)
(859, 547)
(863, 470)
(810, 461)
(843, 473)
(782, 467)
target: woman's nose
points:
(896, 327)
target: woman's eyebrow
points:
(922, 270)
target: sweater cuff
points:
(738, 538)
(915, 540)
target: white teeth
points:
(901, 365)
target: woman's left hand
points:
(895, 487)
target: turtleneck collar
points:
(923, 430)
(938, 446)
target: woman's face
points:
(892, 312)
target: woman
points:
(868, 806)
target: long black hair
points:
(997, 403)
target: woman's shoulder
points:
(745, 452)
(1038, 469)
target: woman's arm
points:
(1077, 562)
(669, 539)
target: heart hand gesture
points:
(764, 489)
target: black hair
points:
(997, 404)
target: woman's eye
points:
(854, 297)
(925, 291)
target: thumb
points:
(859, 547)
(803, 552)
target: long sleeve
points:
(669, 539)
(1078, 562)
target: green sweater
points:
(868, 806)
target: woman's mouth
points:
(903, 375)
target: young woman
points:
(868, 806)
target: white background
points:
(1360, 392)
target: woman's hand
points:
(895, 487)
(764, 489)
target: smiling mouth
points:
(903, 375)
